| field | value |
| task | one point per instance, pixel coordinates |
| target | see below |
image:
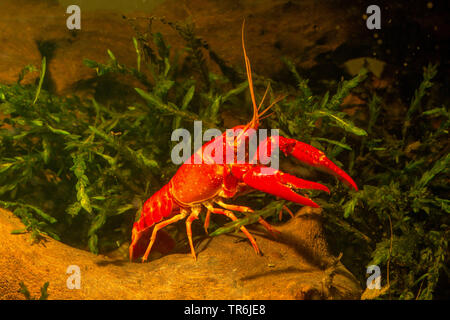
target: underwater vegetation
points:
(79, 170)
(27, 295)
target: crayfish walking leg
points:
(263, 222)
(161, 225)
(194, 215)
(231, 215)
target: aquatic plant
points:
(26, 293)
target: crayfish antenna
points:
(255, 120)
(254, 123)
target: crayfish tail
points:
(155, 209)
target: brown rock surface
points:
(295, 266)
(300, 30)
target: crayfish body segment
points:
(208, 183)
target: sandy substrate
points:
(295, 266)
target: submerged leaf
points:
(337, 143)
(336, 117)
(41, 79)
(44, 294)
(441, 165)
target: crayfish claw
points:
(315, 158)
(280, 184)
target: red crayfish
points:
(206, 184)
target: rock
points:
(39, 29)
(299, 30)
(375, 66)
(295, 266)
(19, 46)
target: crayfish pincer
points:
(208, 177)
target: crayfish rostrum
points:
(208, 182)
